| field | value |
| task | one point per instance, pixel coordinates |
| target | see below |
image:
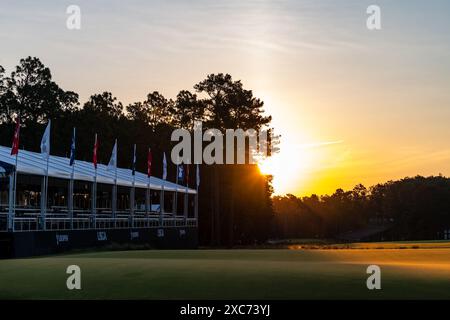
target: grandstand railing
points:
(55, 222)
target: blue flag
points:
(72, 148)
(164, 167)
(180, 174)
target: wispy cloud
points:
(318, 144)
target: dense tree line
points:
(226, 216)
(235, 200)
(413, 208)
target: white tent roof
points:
(33, 163)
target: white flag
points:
(198, 175)
(112, 165)
(164, 167)
(45, 142)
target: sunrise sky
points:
(352, 105)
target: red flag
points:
(94, 158)
(15, 143)
(149, 162)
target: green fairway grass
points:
(232, 274)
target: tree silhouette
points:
(230, 105)
(104, 105)
(413, 208)
(30, 91)
(188, 109)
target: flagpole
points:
(11, 201)
(161, 206)
(133, 198)
(94, 198)
(148, 202)
(115, 186)
(175, 210)
(94, 185)
(133, 190)
(45, 195)
(114, 204)
(196, 206)
(71, 189)
(161, 200)
(115, 195)
(149, 197)
(15, 192)
(186, 195)
(15, 183)
(71, 195)
(197, 182)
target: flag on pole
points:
(180, 174)
(15, 143)
(45, 142)
(134, 160)
(198, 175)
(94, 156)
(112, 165)
(164, 167)
(149, 163)
(72, 148)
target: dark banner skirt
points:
(35, 243)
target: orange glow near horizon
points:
(321, 168)
(352, 105)
(289, 168)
